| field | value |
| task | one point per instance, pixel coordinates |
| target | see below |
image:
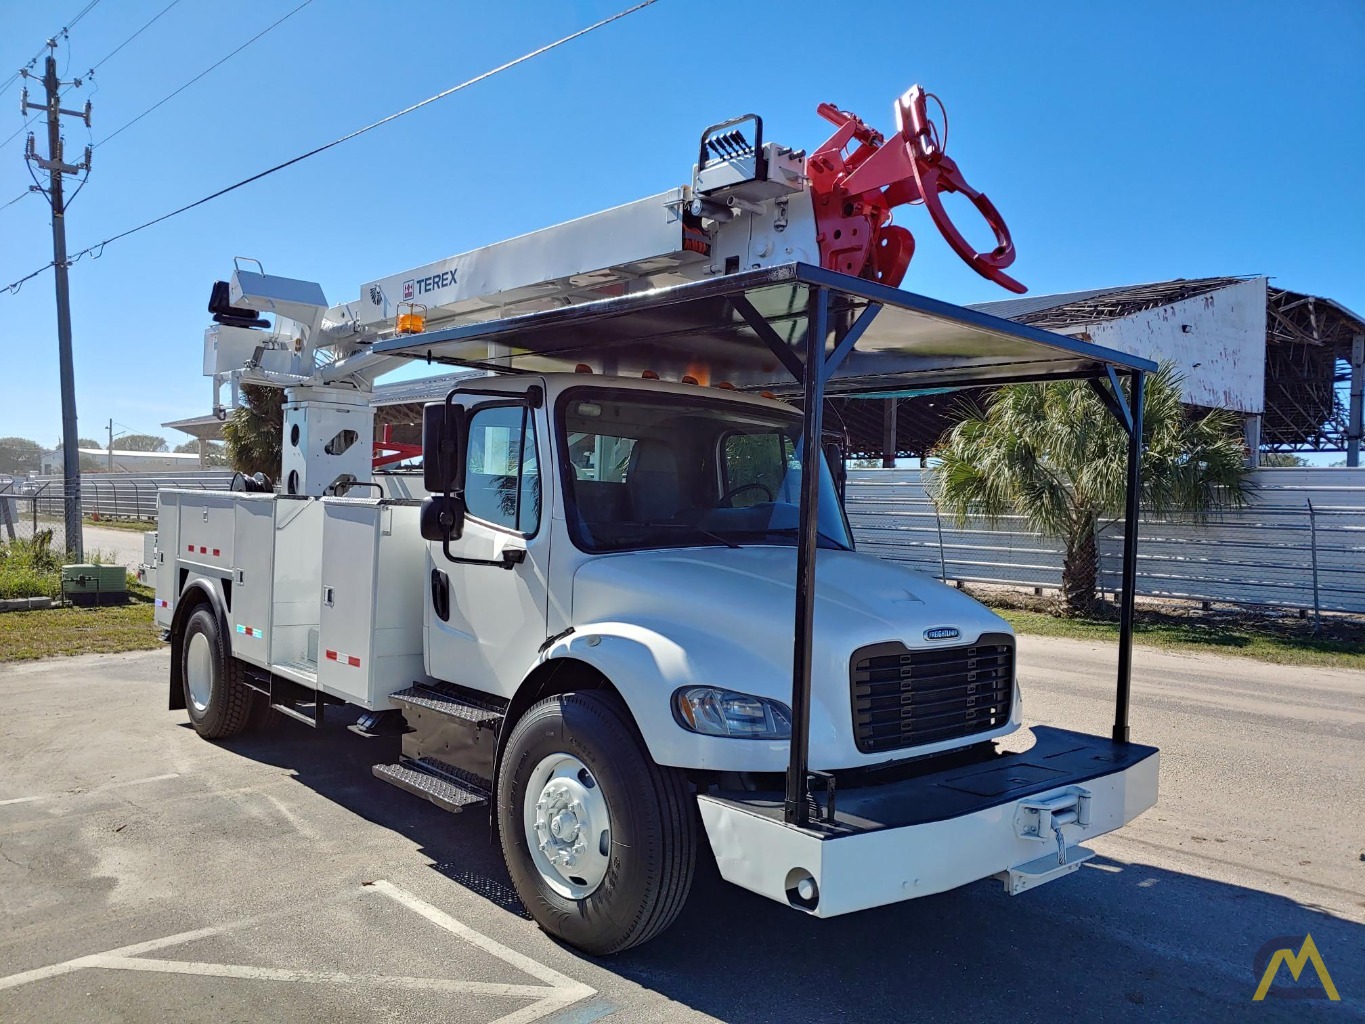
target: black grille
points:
(904, 698)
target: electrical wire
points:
(97, 250)
(21, 195)
(97, 64)
(139, 32)
(60, 32)
(201, 74)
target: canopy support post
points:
(819, 369)
(797, 809)
(1128, 581)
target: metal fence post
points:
(1313, 547)
(942, 564)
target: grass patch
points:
(58, 631)
(1167, 633)
(131, 525)
(30, 568)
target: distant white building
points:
(124, 462)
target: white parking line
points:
(21, 800)
(557, 992)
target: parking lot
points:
(147, 875)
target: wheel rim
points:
(199, 671)
(568, 826)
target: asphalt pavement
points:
(147, 875)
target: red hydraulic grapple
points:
(856, 189)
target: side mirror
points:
(442, 518)
(443, 440)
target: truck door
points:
(486, 623)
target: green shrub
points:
(30, 568)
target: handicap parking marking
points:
(556, 991)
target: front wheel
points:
(599, 840)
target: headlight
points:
(712, 711)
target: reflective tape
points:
(343, 659)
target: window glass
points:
(651, 471)
(756, 467)
(502, 476)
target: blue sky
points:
(1123, 143)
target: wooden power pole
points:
(56, 167)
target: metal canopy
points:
(812, 333)
(714, 331)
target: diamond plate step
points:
(421, 697)
(442, 790)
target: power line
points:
(99, 63)
(139, 32)
(60, 32)
(21, 195)
(98, 248)
(201, 74)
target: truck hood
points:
(724, 616)
(752, 590)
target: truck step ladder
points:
(444, 785)
(466, 708)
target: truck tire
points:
(599, 840)
(218, 700)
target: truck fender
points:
(199, 590)
(645, 667)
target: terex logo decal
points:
(942, 633)
(425, 285)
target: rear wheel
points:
(217, 698)
(599, 840)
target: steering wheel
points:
(741, 488)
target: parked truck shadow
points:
(1116, 941)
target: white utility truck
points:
(621, 605)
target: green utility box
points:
(95, 584)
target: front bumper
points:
(1005, 818)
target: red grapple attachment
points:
(856, 189)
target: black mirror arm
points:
(509, 559)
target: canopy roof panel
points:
(699, 328)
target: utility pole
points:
(110, 466)
(55, 166)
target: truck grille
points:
(904, 698)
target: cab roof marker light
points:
(687, 378)
(582, 368)
(649, 375)
(725, 385)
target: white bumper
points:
(855, 867)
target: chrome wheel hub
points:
(199, 671)
(568, 826)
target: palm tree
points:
(253, 431)
(1055, 455)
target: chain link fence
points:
(22, 520)
(113, 496)
(1300, 544)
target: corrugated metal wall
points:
(1301, 540)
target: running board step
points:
(444, 785)
(445, 704)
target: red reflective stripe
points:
(331, 655)
(215, 552)
(190, 548)
(353, 662)
(203, 551)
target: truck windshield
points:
(662, 470)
